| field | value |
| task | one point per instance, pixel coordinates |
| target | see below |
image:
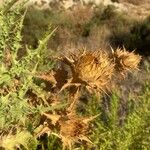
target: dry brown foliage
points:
(49, 76)
(80, 15)
(72, 130)
(93, 70)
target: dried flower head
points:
(92, 69)
(73, 129)
(125, 60)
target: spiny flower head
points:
(74, 128)
(92, 69)
(125, 60)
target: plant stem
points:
(9, 5)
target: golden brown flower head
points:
(73, 129)
(92, 69)
(125, 60)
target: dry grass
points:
(134, 2)
(80, 14)
(98, 37)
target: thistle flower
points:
(73, 129)
(92, 69)
(125, 60)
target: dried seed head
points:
(73, 129)
(92, 69)
(125, 60)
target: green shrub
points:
(18, 118)
(126, 131)
(134, 37)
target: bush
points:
(19, 118)
(137, 37)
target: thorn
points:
(90, 119)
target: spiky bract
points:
(92, 69)
(125, 60)
(73, 129)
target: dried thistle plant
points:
(74, 129)
(125, 61)
(91, 69)
(71, 128)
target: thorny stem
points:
(73, 104)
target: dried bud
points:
(92, 69)
(125, 60)
(74, 129)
